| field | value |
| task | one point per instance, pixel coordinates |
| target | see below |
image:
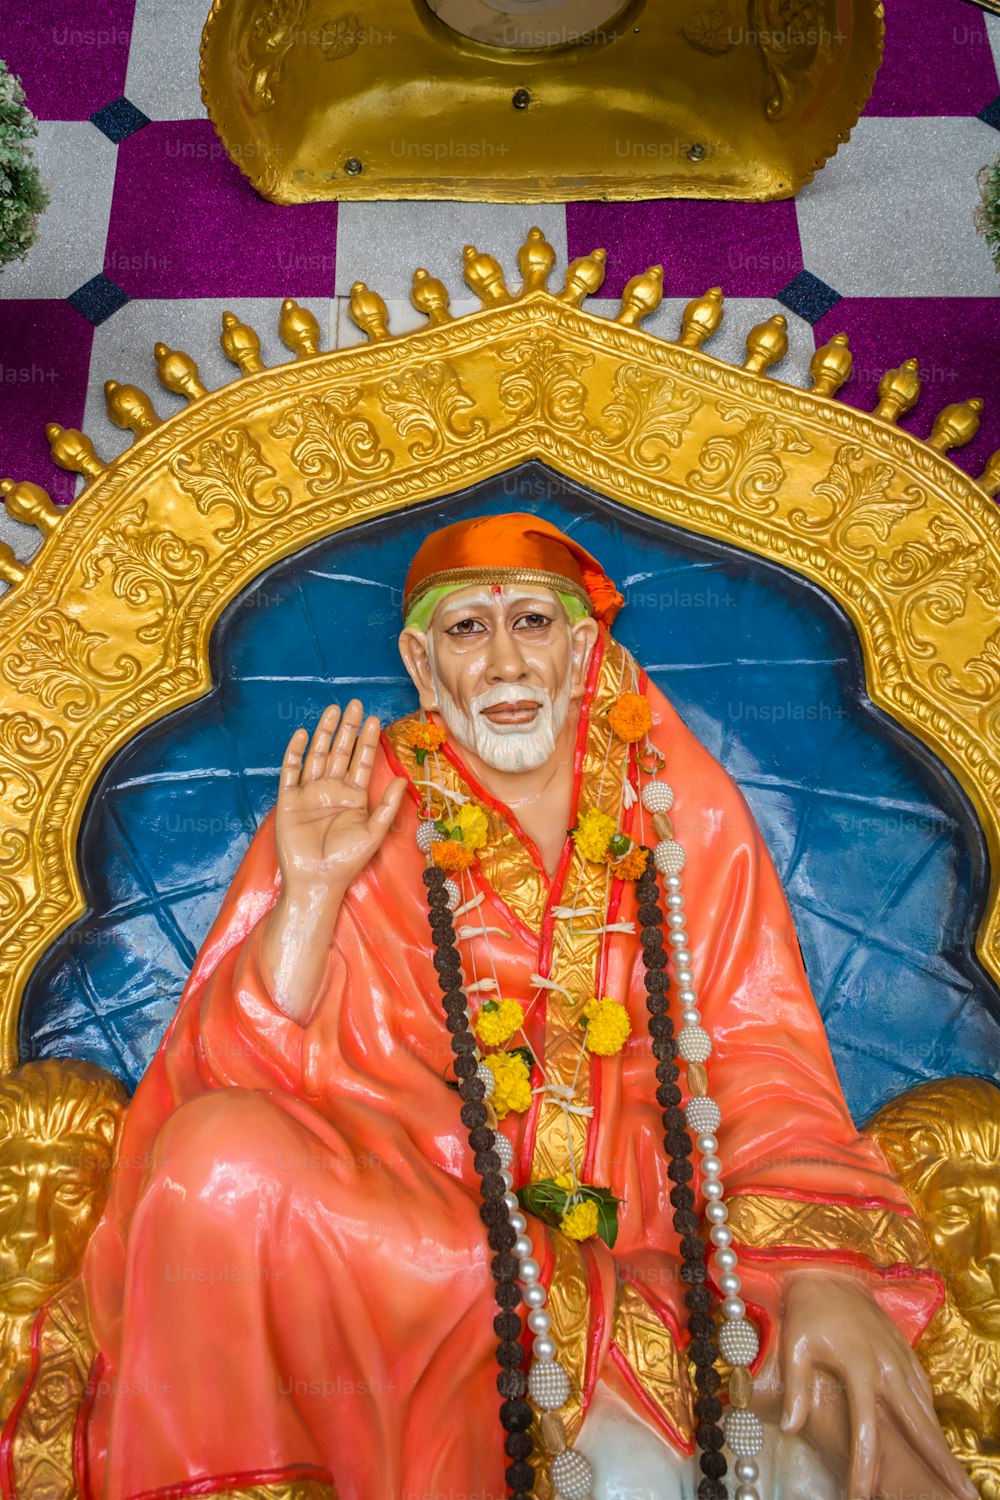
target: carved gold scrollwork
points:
(860, 500)
(984, 670)
(544, 383)
(57, 662)
(647, 418)
(147, 565)
(746, 464)
(429, 404)
(230, 471)
(264, 45)
(789, 34)
(25, 743)
(934, 579)
(330, 442)
(339, 37)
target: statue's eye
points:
(534, 621)
(70, 1193)
(465, 627)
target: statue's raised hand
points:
(325, 833)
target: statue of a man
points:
(293, 1286)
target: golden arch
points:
(107, 629)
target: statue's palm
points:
(324, 830)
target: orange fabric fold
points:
(292, 1268)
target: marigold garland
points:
(631, 717)
(631, 865)
(424, 736)
(472, 826)
(497, 1021)
(452, 855)
(592, 835)
(512, 1079)
(580, 1221)
(608, 1026)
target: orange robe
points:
(291, 1284)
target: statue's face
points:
(962, 1208)
(51, 1195)
(502, 665)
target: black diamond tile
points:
(809, 297)
(991, 114)
(119, 119)
(98, 298)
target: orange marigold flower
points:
(424, 736)
(631, 717)
(452, 855)
(631, 865)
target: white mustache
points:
(506, 692)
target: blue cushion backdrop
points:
(878, 849)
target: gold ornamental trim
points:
(41, 1453)
(464, 577)
(107, 629)
(876, 1235)
(295, 1489)
(648, 1346)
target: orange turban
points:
(516, 548)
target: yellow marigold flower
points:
(450, 855)
(593, 833)
(423, 735)
(608, 1026)
(511, 1074)
(473, 824)
(631, 865)
(497, 1021)
(580, 1221)
(631, 717)
(565, 1181)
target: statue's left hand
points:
(837, 1340)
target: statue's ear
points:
(416, 660)
(584, 634)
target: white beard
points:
(506, 747)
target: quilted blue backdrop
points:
(879, 852)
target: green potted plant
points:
(22, 193)
(988, 210)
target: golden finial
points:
(298, 329)
(11, 571)
(767, 343)
(898, 391)
(989, 479)
(430, 297)
(241, 344)
(31, 504)
(369, 312)
(956, 425)
(130, 408)
(73, 450)
(831, 365)
(642, 296)
(535, 259)
(583, 277)
(178, 372)
(483, 274)
(701, 318)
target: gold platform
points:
(741, 99)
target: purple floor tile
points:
(186, 223)
(955, 340)
(749, 249)
(71, 55)
(44, 360)
(937, 60)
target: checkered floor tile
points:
(152, 232)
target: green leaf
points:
(619, 844)
(421, 755)
(607, 1218)
(489, 1005)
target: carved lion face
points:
(52, 1194)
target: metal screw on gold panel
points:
(521, 99)
(696, 152)
(353, 167)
